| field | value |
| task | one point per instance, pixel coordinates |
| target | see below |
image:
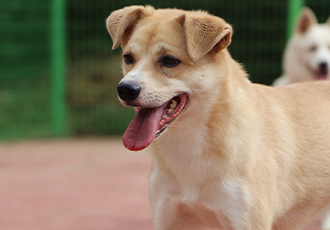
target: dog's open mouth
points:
(149, 123)
(321, 76)
(321, 73)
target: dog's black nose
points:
(128, 91)
(324, 67)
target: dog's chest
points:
(185, 175)
(227, 203)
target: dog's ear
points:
(328, 21)
(307, 19)
(121, 23)
(204, 33)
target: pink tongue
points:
(321, 76)
(142, 129)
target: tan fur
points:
(240, 155)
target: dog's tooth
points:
(173, 104)
(169, 111)
(164, 116)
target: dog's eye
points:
(128, 59)
(313, 48)
(169, 62)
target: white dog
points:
(307, 55)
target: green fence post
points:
(294, 7)
(58, 66)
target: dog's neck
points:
(185, 145)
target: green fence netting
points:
(24, 68)
(83, 102)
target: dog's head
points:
(313, 45)
(166, 57)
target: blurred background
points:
(58, 74)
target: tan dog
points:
(228, 154)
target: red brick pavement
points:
(84, 184)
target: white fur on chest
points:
(193, 180)
(229, 200)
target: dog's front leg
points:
(170, 214)
(167, 209)
(236, 209)
(234, 221)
